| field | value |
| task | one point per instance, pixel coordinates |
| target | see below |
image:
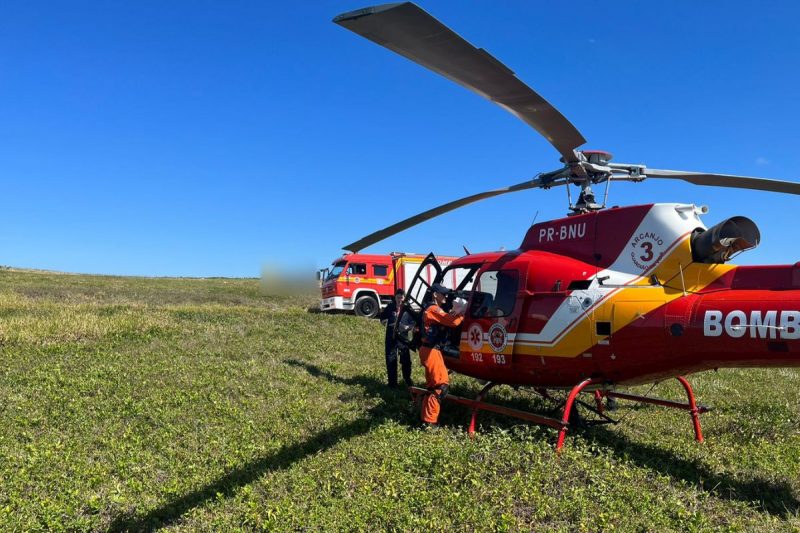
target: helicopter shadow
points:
(774, 498)
(392, 406)
(777, 499)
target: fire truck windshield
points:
(335, 271)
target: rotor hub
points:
(598, 157)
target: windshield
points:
(460, 278)
(335, 271)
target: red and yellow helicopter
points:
(606, 297)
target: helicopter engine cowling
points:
(721, 242)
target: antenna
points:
(535, 217)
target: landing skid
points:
(694, 410)
(563, 424)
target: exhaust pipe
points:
(721, 242)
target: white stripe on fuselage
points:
(664, 226)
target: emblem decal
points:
(475, 337)
(647, 249)
(498, 338)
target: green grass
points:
(134, 403)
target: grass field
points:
(131, 404)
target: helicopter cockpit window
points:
(460, 279)
(496, 294)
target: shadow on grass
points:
(776, 499)
(227, 485)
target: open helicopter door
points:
(418, 296)
(493, 316)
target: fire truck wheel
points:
(367, 306)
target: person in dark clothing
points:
(394, 350)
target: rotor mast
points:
(591, 167)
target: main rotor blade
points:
(725, 180)
(411, 32)
(379, 235)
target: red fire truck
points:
(365, 283)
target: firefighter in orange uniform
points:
(435, 323)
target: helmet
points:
(439, 288)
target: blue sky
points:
(212, 138)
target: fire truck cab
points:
(365, 283)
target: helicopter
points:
(604, 298)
